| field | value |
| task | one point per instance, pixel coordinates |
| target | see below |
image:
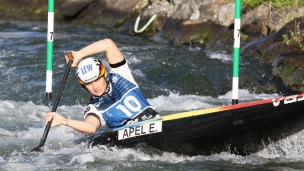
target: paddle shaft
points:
(48, 126)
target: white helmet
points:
(89, 69)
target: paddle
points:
(48, 126)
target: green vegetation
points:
(295, 37)
(250, 4)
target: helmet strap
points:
(107, 86)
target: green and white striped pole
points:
(49, 54)
(236, 51)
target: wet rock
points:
(71, 7)
(110, 14)
(195, 32)
(289, 66)
(286, 60)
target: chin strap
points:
(107, 91)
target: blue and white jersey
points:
(124, 102)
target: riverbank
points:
(205, 23)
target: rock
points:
(178, 2)
(289, 63)
(153, 1)
(195, 15)
(183, 12)
(261, 13)
(71, 7)
(195, 11)
(165, 11)
(225, 15)
(280, 18)
(255, 24)
(110, 14)
(194, 32)
(286, 60)
(163, 2)
(209, 9)
(289, 66)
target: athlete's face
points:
(97, 87)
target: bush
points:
(295, 37)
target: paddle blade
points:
(39, 148)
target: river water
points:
(174, 79)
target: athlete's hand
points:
(76, 58)
(57, 119)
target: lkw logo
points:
(86, 69)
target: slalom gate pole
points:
(49, 54)
(236, 51)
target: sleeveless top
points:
(123, 103)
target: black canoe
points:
(240, 129)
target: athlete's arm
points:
(124, 71)
(113, 54)
(89, 126)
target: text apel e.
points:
(149, 128)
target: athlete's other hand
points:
(57, 119)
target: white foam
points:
(222, 56)
(4, 132)
(132, 154)
(176, 102)
(290, 147)
(82, 158)
(245, 95)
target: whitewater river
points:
(174, 79)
